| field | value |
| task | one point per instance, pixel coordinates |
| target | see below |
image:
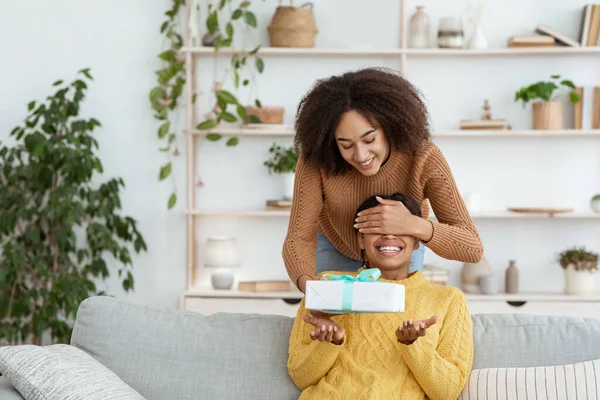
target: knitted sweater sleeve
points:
(454, 234)
(309, 360)
(300, 245)
(442, 368)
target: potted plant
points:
(283, 162)
(61, 228)
(580, 266)
(548, 111)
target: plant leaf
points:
(236, 14)
(227, 97)
(245, 4)
(255, 50)
(228, 117)
(229, 29)
(165, 171)
(208, 124)
(233, 141)
(164, 26)
(241, 110)
(59, 82)
(86, 72)
(555, 76)
(260, 65)
(172, 200)
(164, 129)
(246, 82)
(213, 137)
(31, 105)
(568, 83)
(254, 119)
(168, 55)
(236, 79)
(575, 97)
(212, 22)
(257, 103)
(250, 18)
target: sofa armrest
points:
(7, 391)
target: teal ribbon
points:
(367, 275)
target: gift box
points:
(342, 294)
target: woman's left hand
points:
(389, 217)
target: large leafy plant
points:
(60, 228)
(222, 20)
(545, 90)
(580, 258)
(281, 159)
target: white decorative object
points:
(419, 29)
(472, 201)
(579, 282)
(287, 185)
(470, 274)
(221, 252)
(595, 203)
(450, 33)
(477, 39)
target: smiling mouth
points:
(367, 164)
(389, 250)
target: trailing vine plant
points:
(222, 20)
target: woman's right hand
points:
(325, 330)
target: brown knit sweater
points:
(328, 204)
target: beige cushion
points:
(571, 381)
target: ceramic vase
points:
(579, 282)
(470, 274)
(287, 185)
(419, 30)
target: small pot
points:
(579, 282)
(287, 185)
(548, 115)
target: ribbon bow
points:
(367, 275)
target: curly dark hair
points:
(410, 203)
(382, 96)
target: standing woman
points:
(359, 134)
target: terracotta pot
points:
(548, 115)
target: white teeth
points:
(388, 249)
(366, 162)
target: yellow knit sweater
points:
(371, 364)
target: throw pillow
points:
(61, 372)
(572, 381)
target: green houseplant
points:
(222, 20)
(579, 266)
(547, 110)
(60, 228)
(282, 161)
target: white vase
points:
(579, 282)
(478, 40)
(287, 185)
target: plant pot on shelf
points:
(267, 115)
(293, 26)
(287, 185)
(548, 115)
(579, 282)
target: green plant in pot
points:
(61, 228)
(580, 266)
(547, 110)
(282, 161)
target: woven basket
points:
(267, 115)
(293, 26)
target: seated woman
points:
(425, 350)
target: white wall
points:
(45, 41)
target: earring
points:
(364, 260)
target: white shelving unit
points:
(193, 214)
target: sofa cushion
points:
(60, 372)
(8, 391)
(519, 340)
(179, 355)
(572, 381)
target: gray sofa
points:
(178, 355)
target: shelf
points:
(210, 292)
(563, 133)
(480, 215)
(434, 52)
(296, 294)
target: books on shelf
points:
(492, 124)
(435, 274)
(587, 110)
(559, 37)
(531, 41)
(264, 286)
(279, 204)
(590, 26)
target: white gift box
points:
(341, 297)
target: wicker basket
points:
(293, 26)
(267, 115)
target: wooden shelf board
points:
(433, 52)
(479, 215)
(296, 294)
(563, 133)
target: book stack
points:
(587, 111)
(531, 41)
(436, 274)
(264, 286)
(279, 204)
(493, 124)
